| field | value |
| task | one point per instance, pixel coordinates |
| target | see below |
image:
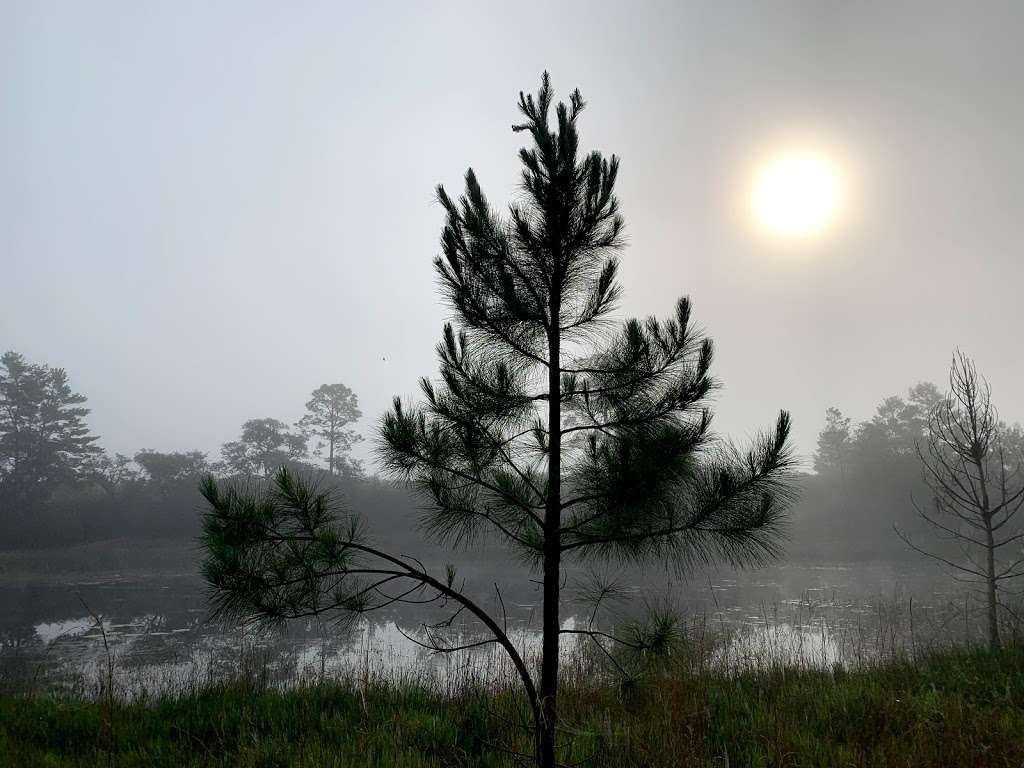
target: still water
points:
(152, 632)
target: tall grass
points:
(906, 692)
(961, 708)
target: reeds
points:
(896, 688)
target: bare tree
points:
(977, 485)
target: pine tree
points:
(44, 438)
(263, 447)
(166, 470)
(328, 413)
(833, 442)
(567, 439)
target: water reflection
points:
(820, 617)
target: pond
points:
(152, 633)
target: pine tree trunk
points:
(552, 556)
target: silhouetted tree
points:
(44, 439)
(113, 473)
(1012, 438)
(977, 486)
(164, 470)
(566, 440)
(863, 472)
(328, 413)
(925, 397)
(897, 426)
(895, 423)
(264, 446)
(833, 442)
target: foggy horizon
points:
(633, 385)
(212, 211)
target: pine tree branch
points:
(309, 512)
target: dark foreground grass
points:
(953, 709)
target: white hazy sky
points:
(208, 209)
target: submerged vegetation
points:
(950, 708)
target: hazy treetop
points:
(195, 196)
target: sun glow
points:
(797, 194)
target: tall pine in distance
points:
(329, 412)
(834, 443)
(44, 437)
(563, 435)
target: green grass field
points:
(951, 709)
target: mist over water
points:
(549, 384)
(162, 638)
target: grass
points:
(955, 708)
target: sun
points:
(796, 194)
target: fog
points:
(207, 211)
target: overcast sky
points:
(209, 209)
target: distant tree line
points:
(869, 477)
(894, 430)
(57, 485)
